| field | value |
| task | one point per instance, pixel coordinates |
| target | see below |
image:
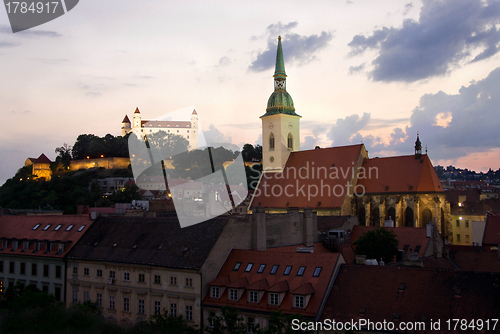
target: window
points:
(273, 298)
(173, 280)
(189, 313)
(57, 293)
(290, 141)
(271, 142)
(111, 302)
(458, 237)
(36, 226)
(299, 302)
(23, 268)
(249, 267)
(58, 227)
(173, 310)
(69, 227)
(86, 272)
(237, 266)
(81, 228)
(11, 267)
(467, 239)
(157, 279)
(126, 276)
(466, 223)
(458, 223)
(274, 269)
(157, 307)
(215, 292)
(46, 227)
(141, 278)
(99, 299)
(126, 304)
(34, 267)
(287, 270)
(140, 308)
(301, 271)
(189, 282)
(233, 294)
(253, 296)
(75, 270)
(75, 295)
(99, 273)
(261, 268)
(112, 274)
(317, 271)
(45, 270)
(250, 325)
(85, 296)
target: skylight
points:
(274, 269)
(317, 271)
(81, 228)
(46, 227)
(58, 227)
(287, 270)
(261, 268)
(36, 226)
(69, 227)
(249, 267)
(237, 266)
(301, 271)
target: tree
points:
(64, 155)
(380, 243)
(251, 153)
(229, 322)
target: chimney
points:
(309, 227)
(259, 237)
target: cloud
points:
(93, 94)
(259, 140)
(356, 69)
(224, 61)
(296, 48)
(30, 33)
(22, 112)
(245, 126)
(446, 35)
(407, 9)
(213, 135)
(345, 129)
(8, 45)
(309, 143)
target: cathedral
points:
(343, 181)
(186, 129)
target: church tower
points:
(280, 123)
(137, 120)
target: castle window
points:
(271, 142)
(290, 141)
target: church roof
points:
(42, 159)
(401, 174)
(279, 71)
(126, 120)
(303, 173)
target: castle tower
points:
(126, 126)
(137, 120)
(193, 138)
(280, 123)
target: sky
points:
(372, 72)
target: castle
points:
(186, 129)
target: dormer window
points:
(81, 228)
(249, 267)
(58, 227)
(317, 271)
(215, 293)
(69, 227)
(36, 226)
(287, 270)
(46, 227)
(261, 268)
(274, 298)
(274, 269)
(298, 302)
(301, 271)
(237, 266)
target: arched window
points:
(290, 141)
(408, 217)
(426, 217)
(362, 217)
(375, 218)
(391, 213)
(271, 142)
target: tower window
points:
(290, 141)
(271, 142)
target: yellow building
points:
(40, 167)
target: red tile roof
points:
(23, 228)
(304, 169)
(492, 230)
(401, 174)
(194, 112)
(42, 159)
(407, 236)
(125, 119)
(289, 284)
(476, 260)
(434, 294)
(137, 111)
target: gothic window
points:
(426, 217)
(408, 217)
(271, 142)
(391, 213)
(375, 217)
(290, 141)
(361, 217)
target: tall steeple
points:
(418, 148)
(280, 123)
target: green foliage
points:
(380, 243)
(92, 146)
(251, 153)
(166, 324)
(198, 163)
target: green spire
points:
(280, 63)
